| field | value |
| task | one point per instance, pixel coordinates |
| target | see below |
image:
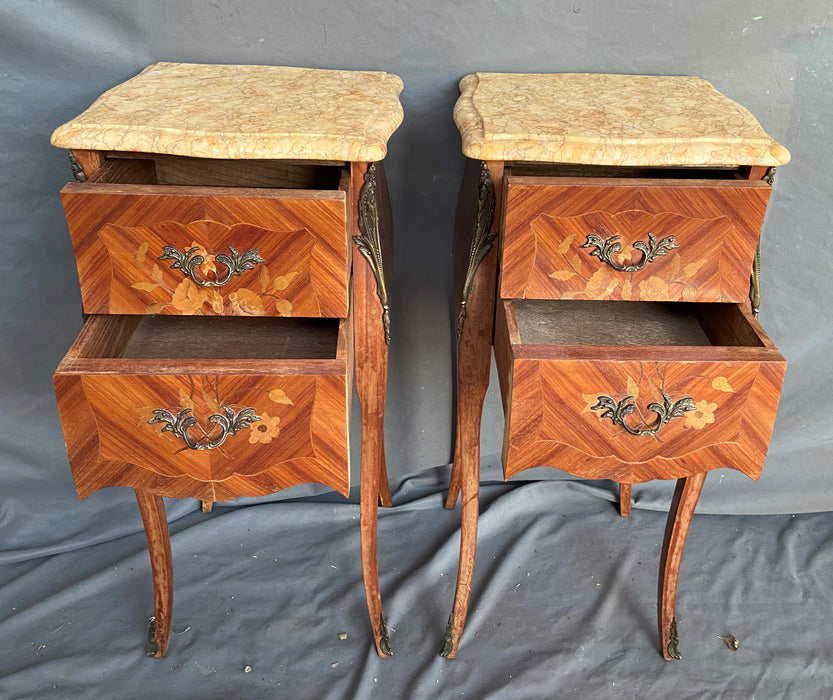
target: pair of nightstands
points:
(232, 233)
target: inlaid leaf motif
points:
(575, 261)
(155, 308)
(627, 290)
(633, 388)
(211, 402)
(590, 400)
(284, 307)
(722, 384)
(245, 302)
(263, 278)
(217, 303)
(564, 246)
(279, 396)
(185, 401)
(141, 252)
(188, 297)
(675, 266)
(145, 286)
(562, 275)
(693, 268)
(156, 273)
(281, 282)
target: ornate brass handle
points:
(236, 264)
(605, 248)
(229, 421)
(668, 409)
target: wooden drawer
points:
(578, 377)
(149, 237)
(658, 239)
(270, 398)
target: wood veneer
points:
(715, 224)
(108, 388)
(558, 374)
(120, 225)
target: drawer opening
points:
(210, 338)
(209, 172)
(617, 171)
(617, 323)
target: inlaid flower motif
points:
(653, 288)
(265, 429)
(246, 303)
(188, 297)
(701, 416)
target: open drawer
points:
(670, 235)
(192, 236)
(212, 408)
(635, 391)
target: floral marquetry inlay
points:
(631, 256)
(267, 283)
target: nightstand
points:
(606, 230)
(232, 233)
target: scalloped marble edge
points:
(368, 146)
(646, 151)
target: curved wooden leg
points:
(207, 506)
(679, 518)
(152, 509)
(625, 500)
(372, 427)
(384, 487)
(372, 246)
(476, 252)
(469, 466)
(456, 474)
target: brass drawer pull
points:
(605, 248)
(228, 420)
(668, 409)
(236, 264)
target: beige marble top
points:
(597, 119)
(222, 111)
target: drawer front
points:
(681, 240)
(156, 250)
(638, 413)
(208, 429)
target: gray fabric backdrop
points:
(57, 57)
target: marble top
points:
(597, 119)
(227, 111)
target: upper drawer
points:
(631, 239)
(211, 408)
(144, 247)
(634, 391)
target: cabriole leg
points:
(152, 509)
(679, 518)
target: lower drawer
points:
(633, 391)
(211, 408)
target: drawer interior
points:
(209, 172)
(619, 323)
(210, 338)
